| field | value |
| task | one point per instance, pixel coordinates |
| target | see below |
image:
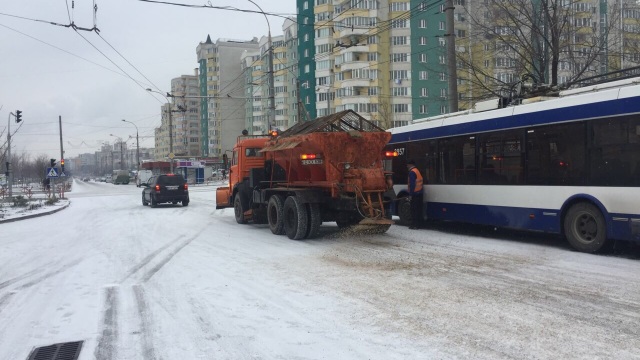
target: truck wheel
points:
(275, 214)
(315, 220)
(239, 210)
(404, 210)
(585, 228)
(296, 218)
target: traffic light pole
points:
(9, 169)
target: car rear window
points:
(171, 180)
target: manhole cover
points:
(61, 351)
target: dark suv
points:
(168, 188)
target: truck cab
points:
(246, 156)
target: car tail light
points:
(157, 187)
(186, 187)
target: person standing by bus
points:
(415, 190)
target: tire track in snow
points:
(18, 278)
(148, 352)
(107, 341)
(4, 300)
(149, 274)
(145, 261)
(48, 275)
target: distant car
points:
(168, 188)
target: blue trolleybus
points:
(568, 164)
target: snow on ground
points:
(189, 283)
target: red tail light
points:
(310, 156)
(186, 187)
(157, 187)
(391, 153)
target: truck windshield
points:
(252, 152)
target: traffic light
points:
(62, 164)
(53, 162)
(18, 116)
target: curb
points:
(35, 215)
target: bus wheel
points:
(585, 228)
(404, 210)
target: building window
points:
(306, 69)
(424, 92)
(423, 58)
(423, 109)
(443, 93)
(400, 108)
(441, 59)
(423, 40)
(424, 75)
(443, 77)
(422, 24)
(443, 109)
(442, 41)
(441, 25)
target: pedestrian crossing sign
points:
(52, 172)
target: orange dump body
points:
(336, 161)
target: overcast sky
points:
(159, 40)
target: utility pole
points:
(451, 57)
(170, 137)
(61, 148)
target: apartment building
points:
(221, 86)
(186, 116)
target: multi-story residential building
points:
(161, 134)
(222, 88)
(251, 63)
(186, 120)
(290, 30)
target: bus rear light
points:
(391, 153)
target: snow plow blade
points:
(371, 226)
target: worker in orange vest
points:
(415, 190)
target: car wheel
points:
(154, 203)
(185, 202)
(585, 228)
(296, 218)
(275, 214)
(238, 210)
(144, 202)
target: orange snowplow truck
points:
(328, 169)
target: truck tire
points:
(275, 214)
(585, 228)
(404, 210)
(238, 210)
(296, 218)
(315, 220)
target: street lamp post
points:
(170, 128)
(272, 100)
(137, 145)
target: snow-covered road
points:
(189, 283)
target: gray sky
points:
(159, 40)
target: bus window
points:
(425, 155)
(615, 152)
(500, 158)
(556, 155)
(456, 163)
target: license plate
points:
(172, 187)
(312, 162)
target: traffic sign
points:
(62, 174)
(52, 172)
(171, 156)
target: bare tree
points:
(540, 39)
